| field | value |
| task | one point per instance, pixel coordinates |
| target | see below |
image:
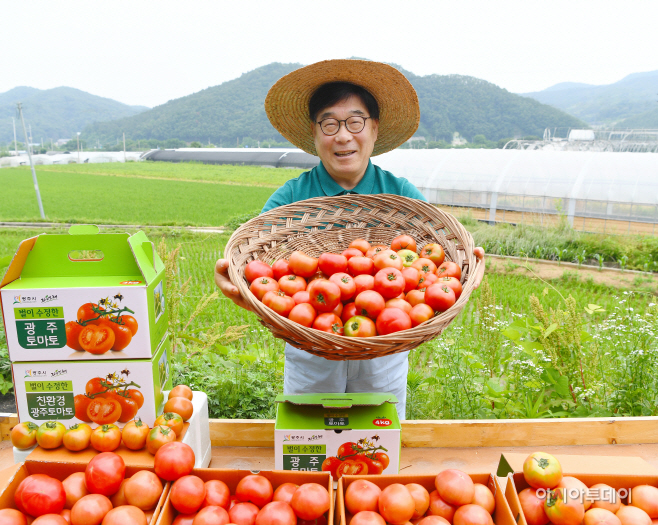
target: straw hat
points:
(286, 103)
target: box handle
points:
(84, 229)
(86, 255)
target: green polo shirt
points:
(318, 183)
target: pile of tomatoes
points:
(457, 500)
(255, 502)
(565, 500)
(107, 437)
(362, 292)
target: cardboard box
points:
(502, 514)
(311, 427)
(232, 478)
(52, 276)
(60, 471)
(46, 391)
(620, 472)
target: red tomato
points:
(243, 513)
(310, 501)
(81, 402)
(351, 252)
(329, 322)
(360, 266)
(449, 269)
(86, 311)
(411, 278)
(421, 499)
(143, 490)
(360, 244)
(472, 515)
(645, 497)
(375, 467)
(181, 406)
(303, 314)
(346, 284)
(415, 297)
(104, 411)
(301, 297)
(96, 339)
(485, 498)
(338, 310)
(278, 301)
(363, 282)
(389, 283)
(427, 279)
(533, 507)
(387, 259)
(392, 320)
(130, 322)
(40, 494)
(370, 304)
(630, 515)
(302, 264)
(134, 434)
(24, 435)
(324, 296)
(452, 283)
(420, 313)
(276, 513)
(403, 242)
(90, 509)
(119, 497)
(331, 263)
(574, 484)
(159, 436)
(291, 284)
(349, 311)
(352, 467)
(73, 329)
(212, 515)
(434, 252)
(179, 391)
(399, 303)
(383, 458)
(262, 285)
(75, 488)
(122, 334)
(542, 470)
(255, 489)
(187, 494)
(424, 266)
(330, 465)
(455, 487)
(50, 434)
(284, 492)
(608, 498)
(96, 385)
(129, 406)
(217, 494)
(440, 297)
(104, 473)
(359, 326)
(12, 517)
(184, 519)
(562, 510)
(174, 460)
(439, 507)
(362, 495)
(433, 520)
(367, 517)
(396, 504)
(281, 268)
(375, 250)
(171, 420)
(256, 269)
(77, 437)
(600, 517)
(51, 519)
(125, 514)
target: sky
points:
(146, 53)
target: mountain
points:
(234, 110)
(608, 104)
(647, 120)
(56, 113)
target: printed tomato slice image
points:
(104, 411)
(96, 339)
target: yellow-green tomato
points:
(50, 434)
(77, 437)
(24, 435)
(408, 257)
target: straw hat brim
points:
(286, 103)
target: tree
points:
(196, 144)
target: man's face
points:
(345, 155)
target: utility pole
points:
(124, 147)
(77, 139)
(13, 120)
(31, 139)
(34, 174)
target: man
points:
(343, 111)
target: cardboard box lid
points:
(345, 400)
(511, 463)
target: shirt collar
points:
(332, 188)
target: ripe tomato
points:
(411, 278)
(130, 322)
(302, 264)
(331, 263)
(119, 497)
(345, 283)
(359, 326)
(212, 515)
(533, 507)
(399, 303)
(434, 252)
(370, 303)
(472, 515)
(338, 310)
(255, 489)
(415, 297)
(256, 269)
(389, 283)
(396, 504)
(278, 301)
(91, 508)
(171, 420)
(403, 242)
(157, 437)
(351, 252)
(375, 250)
(439, 507)
(122, 336)
(301, 297)
(291, 284)
(276, 513)
(645, 497)
(421, 499)
(485, 498)
(12, 517)
(174, 460)
(454, 487)
(363, 282)
(77, 437)
(284, 492)
(217, 494)
(606, 497)
(367, 517)
(304, 314)
(281, 268)
(600, 517)
(392, 320)
(40, 494)
(81, 402)
(106, 438)
(51, 519)
(383, 458)
(440, 297)
(375, 467)
(86, 311)
(387, 259)
(449, 269)
(349, 311)
(420, 313)
(143, 489)
(427, 279)
(50, 434)
(408, 257)
(576, 488)
(187, 494)
(262, 285)
(355, 466)
(329, 322)
(181, 406)
(104, 411)
(24, 435)
(310, 501)
(360, 244)
(75, 488)
(362, 495)
(542, 470)
(96, 339)
(433, 520)
(73, 329)
(243, 513)
(129, 406)
(563, 510)
(125, 514)
(452, 283)
(96, 385)
(134, 434)
(630, 515)
(181, 391)
(324, 296)
(360, 266)
(424, 266)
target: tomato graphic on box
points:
(362, 457)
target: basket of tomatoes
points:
(355, 276)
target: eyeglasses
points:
(331, 126)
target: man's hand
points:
(479, 253)
(226, 286)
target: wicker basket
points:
(330, 224)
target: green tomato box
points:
(349, 433)
(84, 295)
(55, 390)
